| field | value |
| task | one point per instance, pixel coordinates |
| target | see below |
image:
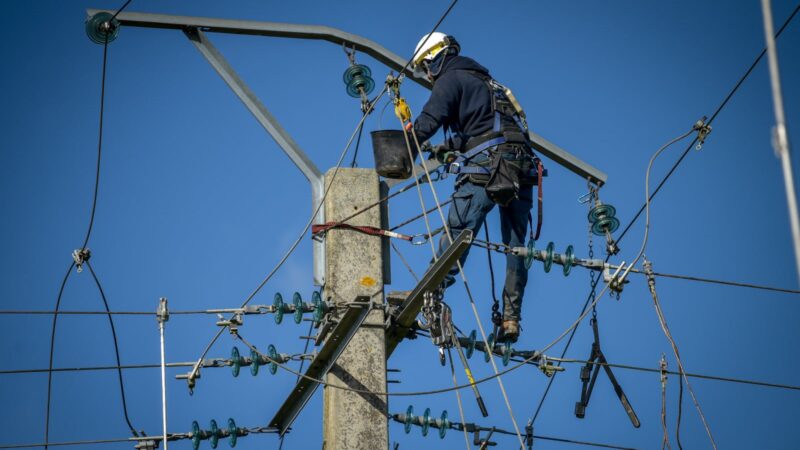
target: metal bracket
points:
(596, 360)
(278, 133)
(405, 316)
(334, 345)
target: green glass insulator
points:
(319, 307)
(601, 211)
(531, 253)
(473, 336)
(444, 424)
(609, 224)
(273, 356)
(409, 419)
(548, 256)
(487, 355)
(196, 435)
(569, 260)
(214, 437)
(426, 421)
(101, 29)
(277, 303)
(255, 362)
(297, 300)
(358, 76)
(236, 361)
(507, 352)
(234, 433)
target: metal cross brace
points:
(598, 359)
(334, 345)
(402, 319)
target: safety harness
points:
(510, 128)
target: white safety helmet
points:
(429, 47)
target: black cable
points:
(495, 302)
(116, 348)
(89, 228)
(358, 143)
(303, 361)
(713, 116)
(660, 184)
(52, 352)
(680, 413)
(120, 10)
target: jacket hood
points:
(458, 62)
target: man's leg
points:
(514, 228)
(468, 211)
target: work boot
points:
(510, 331)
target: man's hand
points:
(409, 127)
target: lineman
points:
(486, 143)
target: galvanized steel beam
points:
(278, 133)
(338, 37)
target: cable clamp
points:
(703, 130)
(81, 256)
(616, 281)
(162, 312)
(547, 367)
(419, 239)
(232, 324)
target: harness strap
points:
(319, 229)
(539, 213)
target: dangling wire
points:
(496, 316)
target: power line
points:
(158, 438)
(658, 188)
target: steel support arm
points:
(278, 133)
(334, 345)
(338, 37)
(272, 29)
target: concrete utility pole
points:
(355, 268)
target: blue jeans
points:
(468, 211)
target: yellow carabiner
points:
(401, 109)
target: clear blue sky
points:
(197, 204)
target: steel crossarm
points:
(404, 318)
(334, 345)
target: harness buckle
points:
(454, 168)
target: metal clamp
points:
(81, 256)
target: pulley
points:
(277, 304)
(358, 78)
(101, 28)
(297, 300)
(547, 256)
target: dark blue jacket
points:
(460, 102)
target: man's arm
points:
(442, 107)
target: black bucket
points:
(391, 154)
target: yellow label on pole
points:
(368, 282)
